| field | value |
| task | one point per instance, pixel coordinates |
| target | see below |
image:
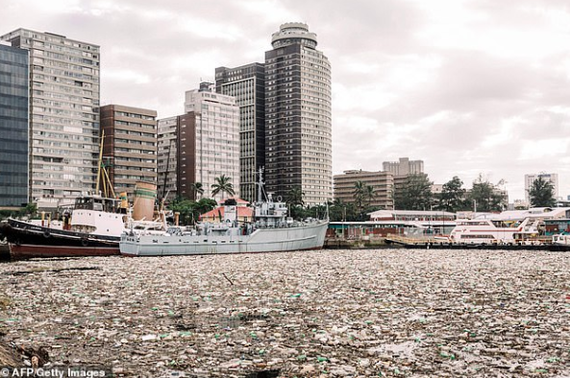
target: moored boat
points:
(269, 231)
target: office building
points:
(13, 126)
(548, 177)
(298, 137)
(64, 113)
(208, 141)
(247, 85)
(381, 182)
(404, 167)
(129, 146)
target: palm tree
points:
(295, 196)
(198, 189)
(369, 194)
(358, 193)
(223, 185)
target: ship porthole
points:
(84, 242)
(47, 234)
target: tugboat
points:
(270, 230)
(92, 228)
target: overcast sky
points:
(469, 87)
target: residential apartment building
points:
(64, 113)
(298, 137)
(381, 182)
(548, 177)
(247, 85)
(129, 146)
(208, 141)
(13, 126)
(167, 157)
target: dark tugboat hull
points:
(30, 241)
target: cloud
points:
(467, 86)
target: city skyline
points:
(468, 88)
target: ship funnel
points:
(145, 196)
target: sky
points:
(475, 88)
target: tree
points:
(541, 193)
(198, 189)
(358, 194)
(416, 193)
(223, 185)
(369, 194)
(486, 196)
(295, 202)
(452, 196)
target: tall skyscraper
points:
(64, 113)
(208, 141)
(129, 147)
(298, 137)
(13, 126)
(247, 85)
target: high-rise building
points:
(208, 141)
(382, 184)
(64, 113)
(167, 157)
(298, 139)
(129, 146)
(13, 126)
(247, 85)
(548, 177)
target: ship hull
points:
(261, 240)
(30, 241)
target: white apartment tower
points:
(209, 144)
(64, 113)
(298, 136)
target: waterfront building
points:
(208, 141)
(13, 126)
(130, 146)
(298, 137)
(381, 182)
(247, 84)
(64, 113)
(548, 177)
(167, 157)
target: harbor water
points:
(329, 313)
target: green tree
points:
(369, 195)
(541, 193)
(198, 189)
(359, 194)
(223, 185)
(452, 196)
(486, 196)
(295, 202)
(416, 193)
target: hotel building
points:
(298, 139)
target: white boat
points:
(270, 231)
(494, 231)
(561, 240)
